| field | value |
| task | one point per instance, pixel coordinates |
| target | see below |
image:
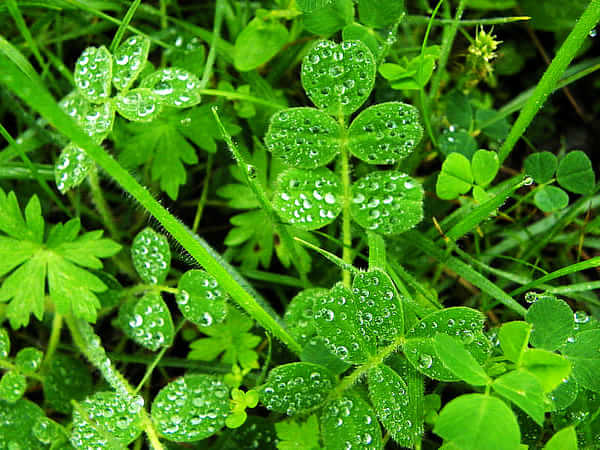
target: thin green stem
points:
(566, 53)
(230, 95)
(124, 24)
(346, 198)
(212, 53)
(204, 194)
(101, 205)
(376, 251)
(53, 341)
(422, 20)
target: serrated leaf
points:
(380, 13)
(385, 133)
(173, 87)
(29, 359)
(584, 353)
(485, 165)
(549, 367)
(139, 105)
(4, 343)
(201, 299)
(331, 17)
(15, 427)
(336, 321)
(303, 137)
(552, 322)
(338, 77)
(379, 310)
(541, 166)
(575, 173)
(296, 388)
(129, 60)
(461, 322)
(308, 199)
(67, 379)
(350, 421)
(111, 421)
(12, 386)
(148, 322)
(478, 422)
(387, 202)
(72, 167)
(455, 177)
(257, 43)
(93, 74)
(299, 314)
(151, 256)
(191, 408)
(389, 394)
(551, 198)
(458, 360)
(298, 435)
(524, 390)
(514, 338)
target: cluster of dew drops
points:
(341, 410)
(150, 253)
(144, 331)
(299, 393)
(92, 65)
(304, 203)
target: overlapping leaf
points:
(201, 299)
(148, 322)
(139, 105)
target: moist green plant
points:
(453, 304)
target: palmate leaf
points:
(148, 322)
(338, 78)
(584, 353)
(201, 299)
(298, 435)
(129, 60)
(173, 87)
(93, 74)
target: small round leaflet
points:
(151, 256)
(200, 298)
(148, 322)
(93, 73)
(174, 87)
(138, 105)
(129, 60)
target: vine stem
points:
(346, 218)
(566, 53)
(57, 323)
(101, 205)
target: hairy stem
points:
(54, 340)
(346, 198)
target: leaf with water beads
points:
(174, 87)
(111, 421)
(387, 202)
(71, 168)
(12, 386)
(584, 353)
(349, 422)
(336, 320)
(29, 359)
(93, 73)
(95, 120)
(4, 343)
(129, 60)
(138, 105)
(385, 133)
(552, 322)
(338, 77)
(299, 316)
(16, 423)
(151, 256)
(148, 322)
(296, 388)
(464, 323)
(191, 408)
(201, 299)
(378, 305)
(308, 199)
(389, 395)
(303, 137)
(67, 379)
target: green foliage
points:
(379, 13)
(299, 314)
(257, 43)
(93, 74)
(541, 166)
(325, 17)
(151, 256)
(173, 87)
(200, 298)
(451, 351)
(17, 420)
(575, 173)
(552, 322)
(298, 435)
(65, 380)
(413, 73)
(12, 386)
(584, 352)
(458, 175)
(551, 198)
(129, 60)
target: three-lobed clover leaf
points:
(129, 61)
(151, 256)
(338, 78)
(200, 298)
(296, 387)
(173, 87)
(139, 105)
(455, 178)
(191, 408)
(93, 74)
(387, 202)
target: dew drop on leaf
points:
(138, 105)
(129, 60)
(174, 87)
(93, 74)
(72, 167)
(201, 299)
(148, 321)
(151, 256)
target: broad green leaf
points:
(389, 394)
(551, 198)
(387, 202)
(303, 137)
(111, 421)
(380, 13)
(308, 199)
(67, 379)
(549, 367)
(358, 32)
(29, 359)
(93, 74)
(17, 421)
(564, 395)
(385, 133)
(484, 165)
(4, 343)
(331, 16)
(541, 166)
(458, 141)
(478, 422)
(95, 120)
(455, 178)
(514, 338)
(565, 439)
(299, 314)
(575, 173)
(138, 105)
(336, 320)
(350, 422)
(338, 77)
(148, 322)
(584, 353)
(151, 256)
(552, 322)
(480, 195)
(129, 60)
(201, 299)
(497, 131)
(579, 414)
(49, 432)
(307, 6)
(295, 388)
(458, 360)
(524, 390)
(257, 43)
(257, 430)
(187, 51)
(298, 435)
(317, 352)
(464, 323)
(173, 87)
(459, 111)
(72, 167)
(191, 408)
(12, 386)
(379, 309)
